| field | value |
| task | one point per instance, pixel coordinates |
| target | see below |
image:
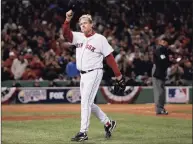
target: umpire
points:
(161, 63)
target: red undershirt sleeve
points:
(67, 33)
(111, 62)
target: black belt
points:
(83, 72)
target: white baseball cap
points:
(11, 54)
(29, 50)
(19, 27)
(44, 22)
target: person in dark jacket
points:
(161, 63)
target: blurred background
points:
(34, 49)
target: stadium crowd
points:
(33, 47)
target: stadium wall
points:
(66, 95)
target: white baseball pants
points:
(89, 85)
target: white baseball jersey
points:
(90, 51)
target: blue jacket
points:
(71, 69)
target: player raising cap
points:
(91, 49)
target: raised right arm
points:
(67, 33)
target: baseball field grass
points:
(56, 124)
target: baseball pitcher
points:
(91, 49)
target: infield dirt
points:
(175, 111)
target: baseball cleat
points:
(109, 129)
(162, 112)
(80, 137)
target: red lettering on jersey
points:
(93, 48)
(87, 46)
(79, 45)
(90, 47)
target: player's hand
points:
(69, 15)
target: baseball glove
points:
(119, 86)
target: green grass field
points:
(131, 129)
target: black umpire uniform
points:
(159, 70)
